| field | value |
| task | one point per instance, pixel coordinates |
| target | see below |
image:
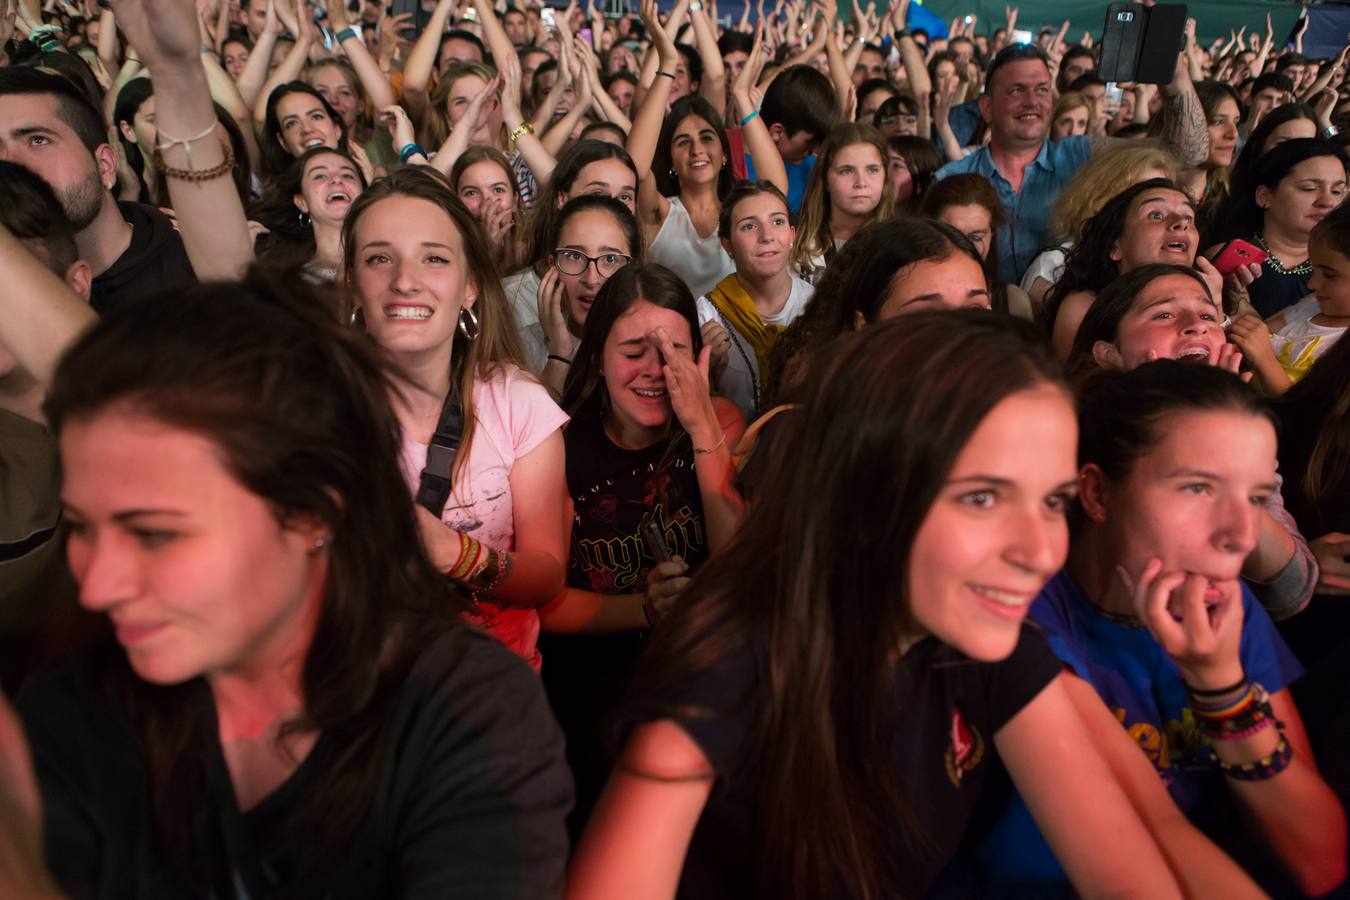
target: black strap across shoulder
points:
(434, 489)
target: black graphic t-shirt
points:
(614, 491)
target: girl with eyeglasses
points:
(595, 236)
(649, 475)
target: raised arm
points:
(601, 102)
(255, 72)
(107, 42)
(40, 317)
(538, 157)
(763, 152)
(226, 93)
(290, 68)
(652, 111)
(474, 118)
(421, 60)
(713, 86)
(376, 85)
(209, 212)
(556, 137)
(1185, 133)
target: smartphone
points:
(1114, 93)
(418, 19)
(1236, 254)
(549, 17)
(471, 14)
(656, 541)
(969, 19)
(1021, 36)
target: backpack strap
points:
(434, 490)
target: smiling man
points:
(1028, 170)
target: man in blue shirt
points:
(1028, 170)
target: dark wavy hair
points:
(681, 109)
(820, 607)
(1089, 266)
(289, 243)
(298, 409)
(857, 281)
(275, 157)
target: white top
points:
(1301, 342)
(741, 381)
(700, 262)
(1048, 264)
(522, 296)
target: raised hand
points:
(552, 315)
(161, 32)
(717, 338)
(1333, 559)
(1196, 621)
(665, 582)
(665, 46)
(687, 385)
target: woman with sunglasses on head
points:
(482, 445)
(1150, 614)
(649, 472)
(819, 714)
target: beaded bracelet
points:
(191, 175)
(1265, 768)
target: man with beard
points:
(1028, 170)
(50, 128)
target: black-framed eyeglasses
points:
(574, 262)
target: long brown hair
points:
(822, 605)
(498, 341)
(813, 227)
(297, 406)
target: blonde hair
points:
(1071, 100)
(437, 126)
(1104, 176)
(813, 227)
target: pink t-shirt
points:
(513, 414)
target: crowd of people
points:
(512, 452)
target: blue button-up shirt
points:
(1026, 231)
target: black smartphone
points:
(1140, 43)
(656, 541)
(416, 23)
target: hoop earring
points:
(304, 219)
(468, 324)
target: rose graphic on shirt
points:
(605, 507)
(965, 750)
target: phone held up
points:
(1236, 254)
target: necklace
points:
(1279, 268)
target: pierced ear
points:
(1263, 196)
(470, 295)
(300, 204)
(1093, 492)
(106, 159)
(1107, 355)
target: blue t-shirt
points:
(1027, 230)
(1143, 687)
(799, 173)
